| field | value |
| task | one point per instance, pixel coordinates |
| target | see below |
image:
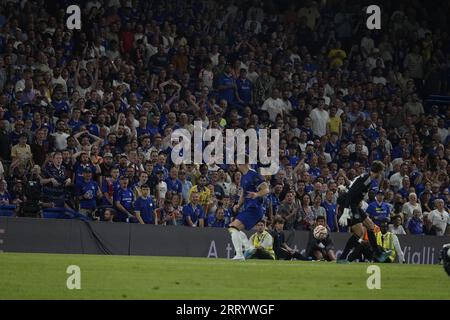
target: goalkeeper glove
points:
(343, 220)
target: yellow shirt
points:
(336, 57)
(387, 243)
(263, 240)
(22, 153)
(335, 124)
(205, 194)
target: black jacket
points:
(356, 192)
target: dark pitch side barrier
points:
(78, 237)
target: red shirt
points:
(127, 39)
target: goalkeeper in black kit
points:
(355, 217)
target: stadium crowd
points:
(87, 115)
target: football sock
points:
(236, 239)
(373, 242)
(351, 243)
(244, 240)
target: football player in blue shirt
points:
(253, 190)
(123, 201)
(144, 207)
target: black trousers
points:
(361, 252)
(261, 254)
(284, 255)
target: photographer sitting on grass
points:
(282, 250)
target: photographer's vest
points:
(387, 243)
(258, 239)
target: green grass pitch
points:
(43, 276)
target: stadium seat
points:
(62, 213)
(7, 210)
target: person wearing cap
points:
(379, 210)
(123, 164)
(87, 191)
(107, 163)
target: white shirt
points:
(61, 140)
(60, 80)
(214, 59)
(274, 107)
(162, 190)
(377, 80)
(398, 230)
(319, 121)
(440, 220)
(302, 146)
(367, 44)
(408, 209)
(396, 180)
(442, 133)
(207, 77)
(252, 76)
(352, 148)
(398, 248)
